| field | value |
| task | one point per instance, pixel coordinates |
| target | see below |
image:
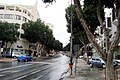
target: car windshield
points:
(98, 59)
(93, 59)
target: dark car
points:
(24, 58)
(116, 62)
(7, 54)
(96, 62)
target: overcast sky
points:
(54, 14)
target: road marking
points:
(20, 77)
(35, 71)
(15, 67)
(43, 62)
(10, 71)
(1, 75)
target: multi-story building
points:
(111, 25)
(18, 14)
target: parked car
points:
(116, 62)
(51, 55)
(16, 54)
(7, 54)
(96, 62)
(24, 58)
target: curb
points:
(7, 60)
(63, 75)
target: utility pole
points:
(71, 43)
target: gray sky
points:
(54, 14)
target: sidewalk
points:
(84, 72)
(7, 59)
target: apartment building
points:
(111, 24)
(13, 13)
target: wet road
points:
(51, 69)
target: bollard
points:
(116, 72)
(105, 73)
(70, 67)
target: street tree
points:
(78, 31)
(107, 55)
(39, 33)
(8, 33)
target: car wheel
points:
(18, 60)
(91, 65)
(103, 65)
(25, 60)
(14, 57)
(30, 60)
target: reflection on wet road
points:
(10, 64)
(43, 70)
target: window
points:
(8, 16)
(109, 22)
(104, 44)
(101, 30)
(2, 7)
(29, 14)
(1, 16)
(24, 19)
(24, 11)
(110, 36)
(10, 8)
(18, 9)
(17, 17)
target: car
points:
(96, 62)
(7, 54)
(24, 58)
(51, 55)
(16, 54)
(116, 62)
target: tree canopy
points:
(39, 32)
(8, 32)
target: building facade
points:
(18, 14)
(111, 25)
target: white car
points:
(16, 54)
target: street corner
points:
(7, 60)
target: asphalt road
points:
(50, 69)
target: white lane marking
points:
(20, 77)
(15, 67)
(35, 71)
(43, 62)
(6, 72)
(1, 75)
(11, 71)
